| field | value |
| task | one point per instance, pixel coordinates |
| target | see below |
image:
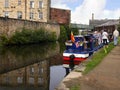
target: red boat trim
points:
(75, 62)
(75, 59)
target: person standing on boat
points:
(115, 36)
(95, 34)
(99, 37)
(105, 40)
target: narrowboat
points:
(79, 48)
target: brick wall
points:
(60, 16)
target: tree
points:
(118, 27)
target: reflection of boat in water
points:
(80, 49)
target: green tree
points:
(63, 34)
(118, 27)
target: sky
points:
(81, 10)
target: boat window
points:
(87, 38)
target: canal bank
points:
(106, 76)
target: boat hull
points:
(77, 56)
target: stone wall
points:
(9, 26)
(24, 7)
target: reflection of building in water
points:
(33, 75)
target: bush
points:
(4, 39)
(63, 35)
(118, 28)
(27, 36)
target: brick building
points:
(35, 10)
(60, 16)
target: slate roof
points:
(109, 23)
(103, 22)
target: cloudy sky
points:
(81, 10)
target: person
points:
(99, 37)
(105, 37)
(105, 40)
(115, 36)
(96, 35)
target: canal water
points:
(31, 67)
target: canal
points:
(31, 67)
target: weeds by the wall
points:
(27, 36)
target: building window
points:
(31, 4)
(20, 80)
(19, 15)
(40, 80)
(31, 15)
(40, 15)
(40, 4)
(19, 2)
(7, 80)
(6, 3)
(6, 13)
(31, 70)
(40, 70)
(31, 80)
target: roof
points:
(103, 22)
(109, 23)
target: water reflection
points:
(70, 65)
(28, 67)
(32, 75)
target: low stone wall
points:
(8, 26)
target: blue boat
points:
(81, 48)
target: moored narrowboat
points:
(80, 48)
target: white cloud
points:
(83, 12)
(111, 14)
(59, 4)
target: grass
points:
(97, 58)
(75, 88)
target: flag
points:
(72, 37)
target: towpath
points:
(106, 76)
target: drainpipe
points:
(25, 12)
(25, 9)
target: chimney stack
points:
(92, 16)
